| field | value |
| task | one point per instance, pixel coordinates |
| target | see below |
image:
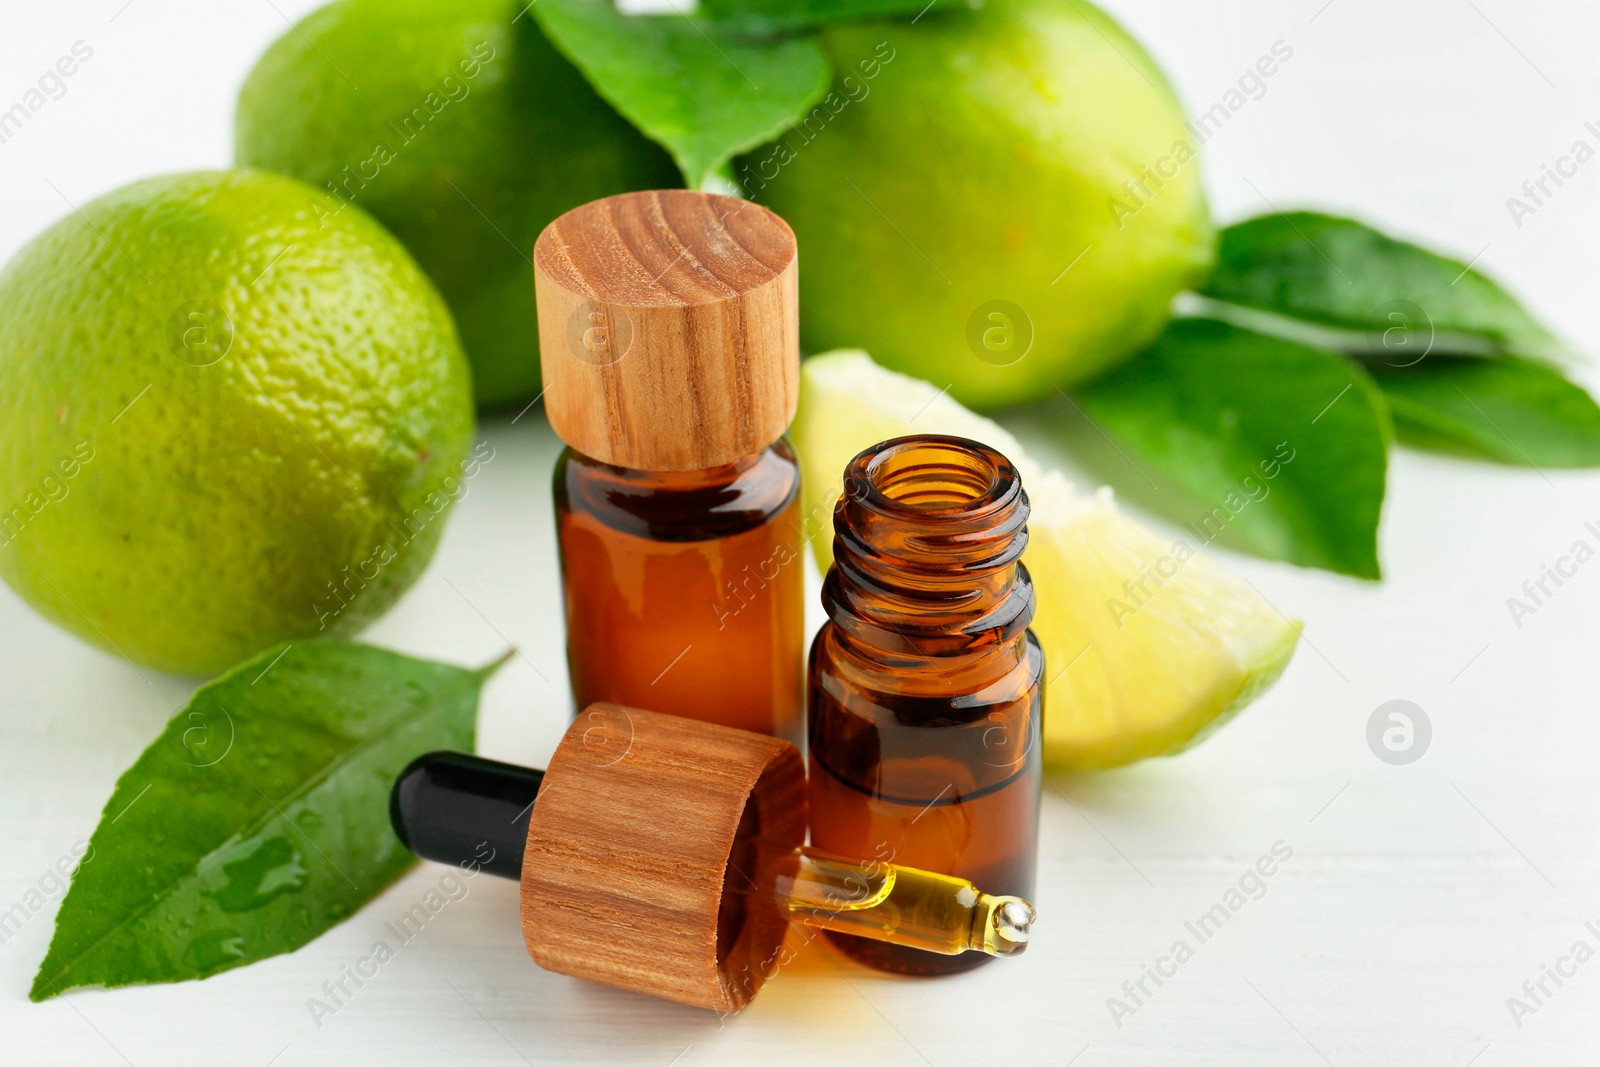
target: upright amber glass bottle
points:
(925, 685)
(670, 353)
(684, 590)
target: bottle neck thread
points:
(928, 539)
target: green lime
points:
(1148, 645)
(1002, 199)
(225, 420)
(462, 130)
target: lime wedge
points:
(1148, 645)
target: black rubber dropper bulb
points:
(450, 807)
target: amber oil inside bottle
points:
(684, 589)
(925, 685)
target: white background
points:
(1418, 898)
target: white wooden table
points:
(1417, 899)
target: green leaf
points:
(1282, 447)
(258, 819)
(772, 16)
(1514, 410)
(1340, 273)
(703, 92)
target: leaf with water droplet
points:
(271, 869)
(278, 833)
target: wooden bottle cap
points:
(629, 848)
(668, 328)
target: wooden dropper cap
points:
(640, 822)
(668, 328)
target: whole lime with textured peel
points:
(225, 420)
(1001, 197)
(1148, 646)
(463, 130)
